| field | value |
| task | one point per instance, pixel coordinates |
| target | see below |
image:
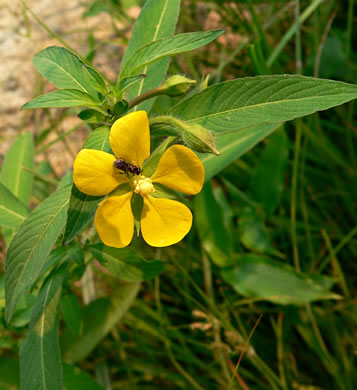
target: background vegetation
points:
(284, 209)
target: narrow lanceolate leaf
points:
(12, 211)
(237, 104)
(165, 47)
(62, 98)
(40, 356)
(31, 245)
(157, 20)
(233, 145)
(259, 277)
(269, 177)
(209, 221)
(99, 319)
(17, 180)
(130, 81)
(63, 69)
(82, 206)
(72, 313)
(76, 379)
(20, 155)
(98, 139)
(126, 263)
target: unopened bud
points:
(199, 139)
(176, 85)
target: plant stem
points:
(349, 28)
(41, 177)
(207, 277)
(289, 34)
(294, 196)
(168, 120)
(145, 96)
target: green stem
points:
(41, 177)
(145, 96)
(50, 32)
(168, 120)
(292, 30)
(207, 277)
(349, 28)
(172, 358)
(294, 196)
(336, 265)
(333, 252)
(59, 138)
(298, 39)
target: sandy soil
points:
(21, 37)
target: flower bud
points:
(199, 139)
(176, 85)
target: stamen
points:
(143, 186)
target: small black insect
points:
(121, 164)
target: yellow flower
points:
(163, 221)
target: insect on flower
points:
(163, 221)
(121, 164)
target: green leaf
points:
(40, 356)
(98, 139)
(232, 146)
(165, 47)
(157, 20)
(259, 277)
(80, 211)
(96, 8)
(126, 263)
(23, 312)
(94, 79)
(130, 81)
(63, 69)
(268, 181)
(54, 258)
(12, 211)
(253, 233)
(99, 318)
(31, 245)
(76, 379)
(91, 116)
(17, 180)
(72, 314)
(82, 206)
(209, 221)
(9, 374)
(62, 98)
(234, 105)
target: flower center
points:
(142, 185)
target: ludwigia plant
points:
(123, 189)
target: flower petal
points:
(180, 169)
(130, 138)
(94, 172)
(164, 221)
(114, 221)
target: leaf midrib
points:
(68, 74)
(42, 331)
(38, 240)
(263, 104)
(20, 216)
(141, 85)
